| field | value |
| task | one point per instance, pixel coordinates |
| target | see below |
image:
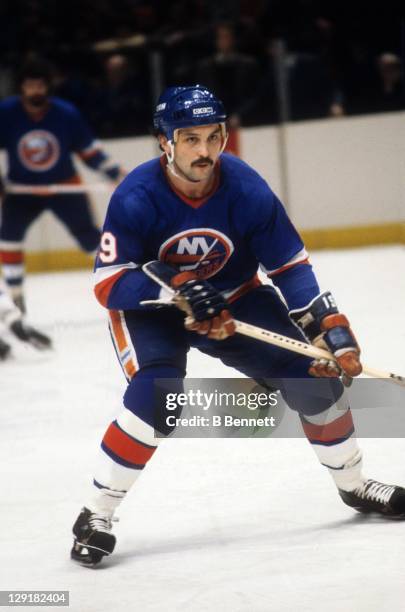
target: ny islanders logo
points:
(203, 251)
(38, 150)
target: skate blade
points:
(87, 556)
(380, 515)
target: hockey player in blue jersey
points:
(40, 133)
(202, 222)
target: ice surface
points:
(218, 525)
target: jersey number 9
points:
(108, 248)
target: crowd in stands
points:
(104, 56)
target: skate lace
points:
(100, 522)
(375, 491)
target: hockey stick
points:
(43, 190)
(307, 349)
(285, 342)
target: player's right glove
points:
(326, 327)
(207, 309)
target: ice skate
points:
(374, 496)
(32, 336)
(5, 350)
(93, 538)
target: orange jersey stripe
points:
(73, 180)
(287, 267)
(126, 447)
(121, 343)
(118, 330)
(103, 288)
(184, 259)
(252, 284)
(339, 428)
(85, 155)
(130, 368)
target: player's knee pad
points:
(310, 396)
(146, 395)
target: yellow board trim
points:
(51, 261)
(326, 238)
(358, 236)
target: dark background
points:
(111, 57)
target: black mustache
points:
(202, 160)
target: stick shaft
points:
(60, 188)
(307, 349)
(290, 344)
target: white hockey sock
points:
(331, 434)
(127, 446)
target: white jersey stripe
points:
(299, 257)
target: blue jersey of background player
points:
(203, 223)
(39, 134)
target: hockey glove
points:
(207, 309)
(326, 327)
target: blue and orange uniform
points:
(225, 237)
(210, 250)
(39, 152)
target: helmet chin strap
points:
(170, 155)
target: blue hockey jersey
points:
(40, 150)
(223, 237)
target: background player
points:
(39, 134)
(195, 214)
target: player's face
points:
(35, 92)
(196, 151)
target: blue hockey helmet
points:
(180, 107)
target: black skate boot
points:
(5, 350)
(29, 334)
(373, 496)
(93, 538)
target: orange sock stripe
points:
(125, 447)
(12, 257)
(337, 429)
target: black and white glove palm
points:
(207, 308)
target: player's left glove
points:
(326, 327)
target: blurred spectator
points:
(69, 85)
(331, 55)
(389, 90)
(233, 76)
(118, 106)
(312, 91)
(6, 81)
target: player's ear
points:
(163, 143)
